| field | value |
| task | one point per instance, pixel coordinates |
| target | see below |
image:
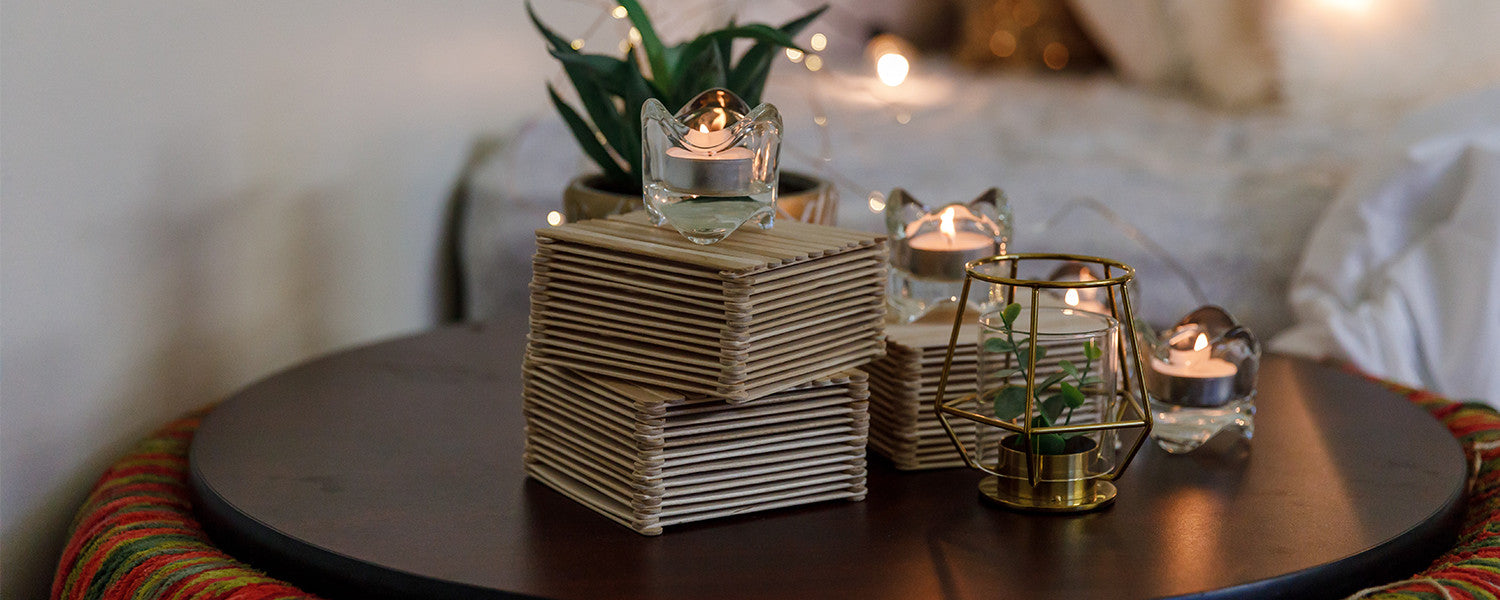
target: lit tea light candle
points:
(1084, 301)
(942, 254)
(709, 164)
(1193, 377)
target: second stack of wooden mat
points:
(649, 458)
(759, 312)
(903, 385)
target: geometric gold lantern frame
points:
(1126, 388)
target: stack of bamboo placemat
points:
(903, 386)
(650, 458)
(759, 312)
(668, 382)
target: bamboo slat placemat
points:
(760, 312)
(903, 387)
(649, 458)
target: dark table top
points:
(395, 469)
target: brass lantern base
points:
(1103, 496)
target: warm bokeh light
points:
(818, 42)
(577, 44)
(635, 36)
(1026, 13)
(1071, 298)
(814, 62)
(1351, 6)
(903, 117)
(794, 54)
(619, 12)
(554, 218)
(877, 202)
(1055, 55)
(1003, 43)
(820, 120)
(892, 69)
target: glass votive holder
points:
(1201, 380)
(929, 248)
(712, 166)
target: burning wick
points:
(947, 226)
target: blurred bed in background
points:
(1201, 141)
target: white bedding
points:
(1232, 196)
(1402, 275)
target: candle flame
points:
(947, 225)
(1201, 342)
(703, 129)
(1071, 297)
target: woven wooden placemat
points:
(649, 458)
(759, 312)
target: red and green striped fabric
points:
(1471, 570)
(136, 538)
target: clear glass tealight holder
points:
(711, 167)
(1201, 379)
(929, 248)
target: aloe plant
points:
(612, 89)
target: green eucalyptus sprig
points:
(1010, 401)
(612, 89)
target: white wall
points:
(193, 195)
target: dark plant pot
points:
(1068, 483)
(799, 197)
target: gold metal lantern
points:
(1060, 405)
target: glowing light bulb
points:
(892, 69)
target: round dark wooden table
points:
(394, 470)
